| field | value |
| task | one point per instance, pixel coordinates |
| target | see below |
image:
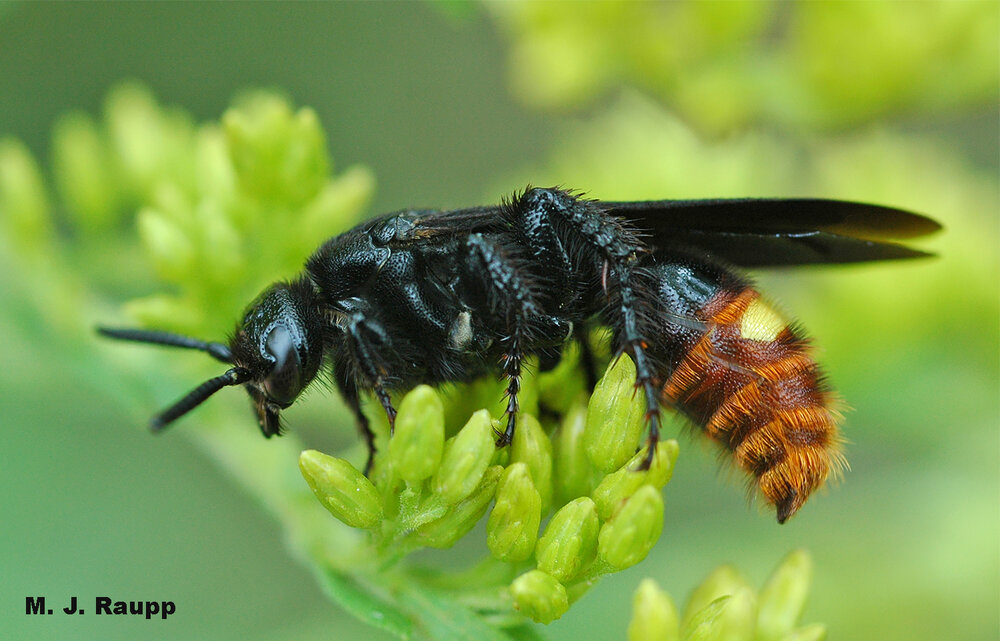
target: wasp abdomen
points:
(744, 375)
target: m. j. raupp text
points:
(105, 605)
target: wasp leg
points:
(559, 228)
(366, 338)
(633, 342)
(349, 392)
(546, 325)
(501, 278)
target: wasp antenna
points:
(197, 396)
(218, 351)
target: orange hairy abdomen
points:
(751, 384)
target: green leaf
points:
(363, 604)
(444, 619)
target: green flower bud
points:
(457, 521)
(279, 156)
(723, 581)
(654, 616)
(615, 417)
(173, 204)
(532, 447)
(527, 398)
(560, 387)
(24, 205)
(151, 144)
(82, 173)
(617, 487)
(570, 540)
(466, 457)
(728, 618)
(416, 445)
(406, 502)
(167, 245)
(512, 530)
(783, 597)
(811, 632)
(701, 624)
(631, 533)
(539, 596)
(739, 617)
(214, 174)
(221, 247)
(574, 475)
(342, 489)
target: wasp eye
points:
(284, 382)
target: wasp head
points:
(275, 352)
(279, 344)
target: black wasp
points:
(427, 296)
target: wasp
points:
(430, 296)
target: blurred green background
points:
(451, 104)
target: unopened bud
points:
(560, 387)
(631, 533)
(783, 597)
(168, 246)
(416, 445)
(460, 518)
(654, 616)
(512, 531)
(465, 459)
(724, 581)
(217, 231)
(24, 205)
(279, 155)
(214, 176)
(570, 540)
(618, 486)
(532, 447)
(81, 170)
(342, 489)
(615, 416)
(148, 141)
(539, 596)
(728, 618)
(574, 475)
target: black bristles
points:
(218, 351)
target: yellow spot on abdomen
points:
(761, 322)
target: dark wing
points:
(429, 223)
(770, 232)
